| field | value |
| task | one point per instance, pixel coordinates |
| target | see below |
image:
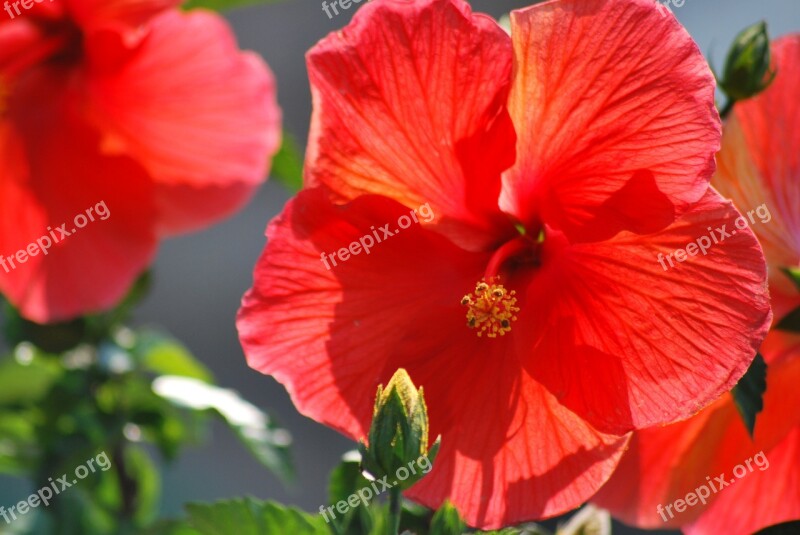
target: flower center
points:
(490, 309)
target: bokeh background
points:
(200, 279)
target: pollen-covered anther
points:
(490, 309)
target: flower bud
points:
(747, 68)
(398, 436)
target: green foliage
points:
(248, 516)
(794, 276)
(163, 355)
(265, 440)
(748, 393)
(287, 165)
(222, 5)
(447, 521)
(72, 391)
(345, 481)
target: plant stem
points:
(395, 507)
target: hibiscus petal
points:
(63, 175)
(765, 497)
(613, 105)
(759, 168)
(665, 464)
(195, 119)
(627, 342)
(550, 460)
(124, 14)
(409, 102)
(310, 326)
(331, 336)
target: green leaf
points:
(267, 442)
(447, 521)
(170, 527)
(786, 528)
(248, 516)
(142, 475)
(19, 447)
(164, 355)
(794, 275)
(27, 377)
(222, 5)
(346, 480)
(287, 165)
(748, 393)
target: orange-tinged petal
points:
(613, 106)
(665, 464)
(410, 103)
(769, 495)
(759, 168)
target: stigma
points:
(490, 309)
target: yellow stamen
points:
(490, 309)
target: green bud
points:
(398, 436)
(747, 68)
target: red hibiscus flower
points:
(121, 122)
(664, 465)
(486, 211)
(759, 165)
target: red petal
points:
(759, 168)
(309, 328)
(664, 464)
(121, 14)
(767, 496)
(184, 208)
(409, 102)
(207, 119)
(62, 177)
(510, 452)
(331, 336)
(627, 342)
(613, 105)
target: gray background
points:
(200, 278)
